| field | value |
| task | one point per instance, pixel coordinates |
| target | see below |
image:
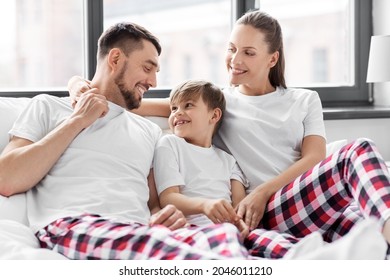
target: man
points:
(87, 171)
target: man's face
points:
(138, 74)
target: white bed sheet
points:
(18, 242)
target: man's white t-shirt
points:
(104, 170)
(265, 133)
(198, 171)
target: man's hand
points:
(90, 107)
(170, 217)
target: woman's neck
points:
(256, 90)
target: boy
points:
(202, 181)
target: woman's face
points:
(248, 59)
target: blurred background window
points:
(41, 45)
(193, 35)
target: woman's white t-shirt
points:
(265, 133)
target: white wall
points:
(377, 130)
(381, 22)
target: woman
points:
(277, 136)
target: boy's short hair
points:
(211, 95)
(127, 37)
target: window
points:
(41, 44)
(48, 41)
(190, 31)
(326, 46)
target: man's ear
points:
(217, 115)
(113, 59)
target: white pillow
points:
(10, 107)
(14, 207)
(162, 122)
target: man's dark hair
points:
(127, 37)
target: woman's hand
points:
(251, 209)
(243, 228)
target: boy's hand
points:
(220, 211)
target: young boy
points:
(202, 181)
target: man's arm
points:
(24, 163)
(77, 86)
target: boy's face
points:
(193, 121)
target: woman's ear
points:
(274, 59)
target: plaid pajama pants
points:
(93, 237)
(349, 185)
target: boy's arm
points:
(217, 210)
(169, 215)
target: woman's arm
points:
(238, 192)
(154, 107)
(252, 207)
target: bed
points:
(17, 241)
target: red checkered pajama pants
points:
(93, 237)
(349, 185)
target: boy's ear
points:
(217, 114)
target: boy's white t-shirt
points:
(198, 171)
(104, 170)
(265, 133)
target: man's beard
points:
(130, 96)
